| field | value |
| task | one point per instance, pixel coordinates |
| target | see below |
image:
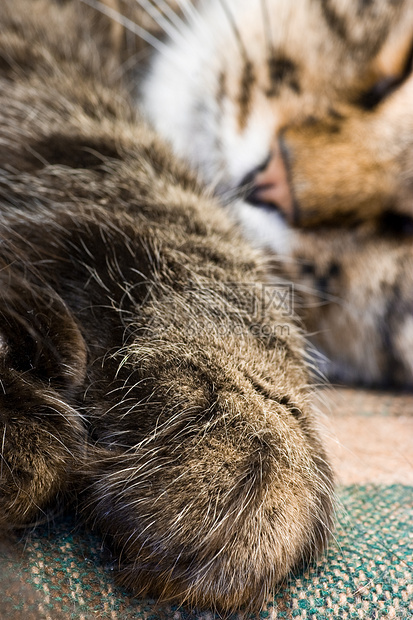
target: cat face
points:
(304, 105)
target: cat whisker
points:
(230, 17)
(324, 298)
(133, 63)
(170, 13)
(3, 460)
(267, 29)
(190, 12)
(130, 25)
(155, 12)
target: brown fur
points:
(354, 292)
(194, 451)
(347, 138)
(360, 169)
(322, 137)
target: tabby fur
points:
(302, 111)
(195, 452)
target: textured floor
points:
(60, 573)
(370, 436)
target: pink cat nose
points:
(272, 187)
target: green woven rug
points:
(61, 572)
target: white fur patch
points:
(265, 228)
(180, 100)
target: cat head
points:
(304, 108)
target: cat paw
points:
(40, 440)
(222, 501)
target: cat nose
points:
(271, 186)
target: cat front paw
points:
(229, 493)
(356, 301)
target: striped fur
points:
(138, 383)
(329, 95)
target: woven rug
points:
(60, 572)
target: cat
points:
(302, 110)
(144, 382)
(139, 382)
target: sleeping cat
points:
(304, 111)
(194, 451)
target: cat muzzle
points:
(271, 187)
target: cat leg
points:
(42, 365)
(41, 442)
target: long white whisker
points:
(190, 12)
(128, 24)
(170, 13)
(2, 449)
(234, 27)
(159, 19)
(267, 29)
